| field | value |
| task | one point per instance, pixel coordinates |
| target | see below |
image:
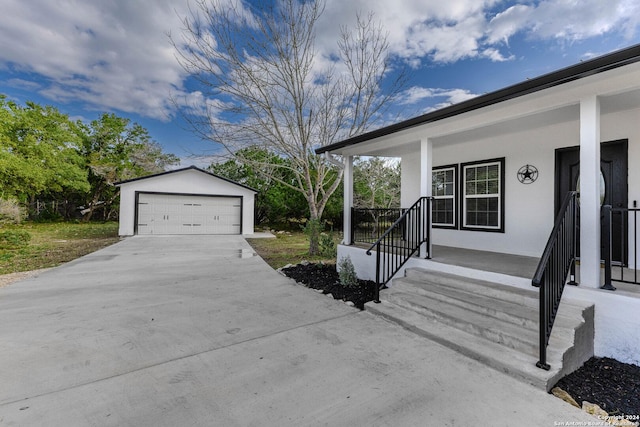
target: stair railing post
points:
(376, 292)
(574, 241)
(542, 363)
(353, 226)
(428, 225)
(607, 248)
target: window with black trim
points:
(444, 185)
(482, 197)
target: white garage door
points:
(188, 214)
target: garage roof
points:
(185, 169)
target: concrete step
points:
(508, 334)
(475, 298)
(495, 324)
(523, 297)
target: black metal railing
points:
(367, 225)
(626, 268)
(401, 241)
(557, 262)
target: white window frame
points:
(499, 195)
(453, 197)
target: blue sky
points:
(91, 56)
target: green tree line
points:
(57, 167)
(376, 185)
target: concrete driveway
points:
(198, 331)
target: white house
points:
(499, 166)
(185, 201)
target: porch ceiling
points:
(443, 133)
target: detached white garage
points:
(185, 201)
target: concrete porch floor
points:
(515, 265)
(512, 265)
(518, 265)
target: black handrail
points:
(401, 241)
(627, 225)
(557, 262)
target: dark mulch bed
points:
(614, 386)
(325, 277)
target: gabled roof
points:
(186, 169)
(583, 69)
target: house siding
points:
(530, 204)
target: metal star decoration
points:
(527, 174)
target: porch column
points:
(348, 199)
(426, 178)
(590, 192)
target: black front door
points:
(613, 168)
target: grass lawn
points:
(52, 244)
(288, 248)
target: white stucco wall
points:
(616, 326)
(529, 208)
(189, 181)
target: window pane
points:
(492, 219)
(492, 172)
(443, 211)
(470, 174)
(471, 188)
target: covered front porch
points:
(488, 184)
(497, 175)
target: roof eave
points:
(117, 184)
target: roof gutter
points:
(583, 69)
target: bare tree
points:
(262, 83)
(376, 185)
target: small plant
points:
(12, 239)
(327, 245)
(347, 272)
(11, 212)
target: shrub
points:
(347, 272)
(11, 212)
(12, 239)
(327, 245)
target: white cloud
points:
(565, 20)
(115, 55)
(444, 31)
(447, 31)
(443, 97)
(23, 84)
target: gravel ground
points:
(7, 279)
